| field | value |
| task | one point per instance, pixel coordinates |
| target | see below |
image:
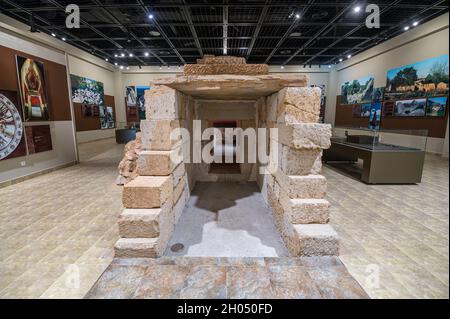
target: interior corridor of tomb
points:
(226, 219)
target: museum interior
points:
(212, 149)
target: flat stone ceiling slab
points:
(232, 87)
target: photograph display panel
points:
(32, 88)
(358, 91)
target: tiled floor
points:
(57, 241)
(57, 230)
(394, 238)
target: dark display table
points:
(382, 163)
(124, 136)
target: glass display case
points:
(126, 132)
(387, 156)
(381, 139)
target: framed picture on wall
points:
(87, 91)
(436, 106)
(388, 108)
(365, 110)
(378, 95)
(12, 134)
(358, 91)
(375, 116)
(140, 100)
(356, 110)
(410, 108)
(130, 96)
(421, 79)
(32, 88)
(39, 138)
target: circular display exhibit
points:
(11, 128)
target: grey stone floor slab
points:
(222, 278)
(227, 220)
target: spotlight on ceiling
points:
(282, 67)
(115, 55)
(160, 67)
(64, 39)
(341, 59)
(416, 23)
(122, 55)
(116, 64)
(297, 16)
(130, 55)
(406, 28)
(349, 56)
(53, 34)
(121, 67)
(329, 66)
(146, 54)
(357, 9)
(128, 67)
(150, 16)
(106, 59)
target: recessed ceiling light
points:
(341, 59)
(116, 64)
(146, 54)
(64, 39)
(297, 16)
(406, 28)
(329, 66)
(106, 59)
(150, 16)
(349, 56)
(122, 55)
(416, 23)
(130, 55)
(115, 55)
(53, 34)
(357, 9)
(121, 67)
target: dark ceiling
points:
(262, 31)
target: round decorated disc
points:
(11, 128)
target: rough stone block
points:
(298, 105)
(306, 211)
(299, 161)
(136, 248)
(272, 107)
(285, 228)
(147, 223)
(303, 187)
(305, 135)
(147, 192)
(317, 240)
(156, 135)
(158, 163)
(180, 204)
(162, 102)
(221, 60)
(238, 69)
(179, 188)
(178, 173)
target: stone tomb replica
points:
(219, 88)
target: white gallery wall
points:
(62, 132)
(423, 42)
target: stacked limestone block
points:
(294, 187)
(127, 166)
(212, 65)
(155, 199)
